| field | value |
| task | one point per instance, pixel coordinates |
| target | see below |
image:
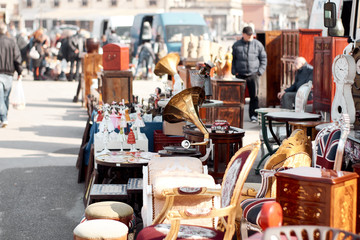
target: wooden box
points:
(115, 57)
(116, 85)
(314, 196)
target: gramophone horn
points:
(184, 106)
(167, 65)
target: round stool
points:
(117, 211)
(99, 229)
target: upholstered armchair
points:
(171, 172)
(233, 181)
(295, 151)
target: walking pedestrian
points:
(249, 62)
(10, 61)
(75, 47)
(146, 57)
(38, 62)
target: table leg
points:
(288, 130)
(272, 132)
(266, 142)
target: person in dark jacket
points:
(10, 61)
(249, 62)
(304, 73)
(38, 63)
(75, 46)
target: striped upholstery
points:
(326, 149)
(251, 208)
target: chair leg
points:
(237, 229)
(243, 229)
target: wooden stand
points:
(314, 196)
(91, 64)
(225, 146)
(232, 93)
(116, 85)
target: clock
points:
(344, 68)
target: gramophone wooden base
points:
(225, 146)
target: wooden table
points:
(314, 196)
(225, 146)
(287, 117)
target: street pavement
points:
(39, 194)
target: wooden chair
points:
(171, 172)
(302, 232)
(233, 181)
(294, 151)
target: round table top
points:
(268, 110)
(212, 103)
(293, 116)
(124, 159)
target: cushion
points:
(251, 208)
(180, 179)
(326, 149)
(158, 232)
(231, 176)
(173, 164)
(101, 229)
(110, 210)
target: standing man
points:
(10, 60)
(303, 74)
(249, 62)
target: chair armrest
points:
(199, 191)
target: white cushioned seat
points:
(99, 229)
(117, 211)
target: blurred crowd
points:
(51, 56)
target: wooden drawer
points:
(304, 211)
(309, 192)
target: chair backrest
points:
(302, 95)
(330, 144)
(295, 151)
(235, 177)
(308, 232)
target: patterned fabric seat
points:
(233, 181)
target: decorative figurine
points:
(131, 140)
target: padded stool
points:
(99, 229)
(117, 211)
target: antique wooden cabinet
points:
(296, 43)
(116, 85)
(232, 93)
(269, 82)
(325, 50)
(314, 196)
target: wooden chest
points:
(115, 57)
(232, 93)
(314, 196)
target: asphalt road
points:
(39, 194)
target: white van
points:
(120, 24)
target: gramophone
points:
(183, 105)
(168, 65)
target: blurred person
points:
(249, 63)
(146, 57)
(38, 64)
(10, 61)
(22, 41)
(303, 74)
(63, 54)
(75, 47)
(113, 37)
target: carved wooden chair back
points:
(303, 232)
(330, 144)
(302, 95)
